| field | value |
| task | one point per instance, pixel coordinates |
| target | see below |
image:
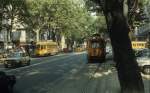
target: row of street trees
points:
(65, 17)
(58, 17)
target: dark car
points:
(16, 58)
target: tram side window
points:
(48, 46)
(41, 47)
(38, 46)
(143, 45)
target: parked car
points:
(144, 61)
(138, 52)
(16, 58)
(1, 55)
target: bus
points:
(96, 48)
(45, 48)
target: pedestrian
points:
(6, 82)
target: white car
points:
(16, 58)
(144, 61)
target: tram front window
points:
(96, 45)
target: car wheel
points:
(146, 70)
(12, 65)
(5, 65)
(28, 63)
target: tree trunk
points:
(128, 70)
(127, 67)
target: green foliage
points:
(70, 17)
(142, 17)
(143, 2)
(11, 9)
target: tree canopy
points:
(68, 16)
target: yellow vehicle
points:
(139, 44)
(96, 49)
(79, 49)
(45, 48)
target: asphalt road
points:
(68, 73)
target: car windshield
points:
(95, 45)
(145, 53)
(14, 55)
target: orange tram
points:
(96, 49)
